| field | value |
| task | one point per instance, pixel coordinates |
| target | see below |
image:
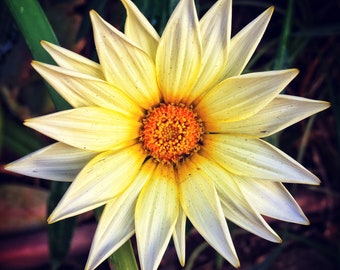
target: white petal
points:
(73, 61)
(125, 65)
(58, 162)
(89, 128)
(234, 204)
(280, 113)
(156, 216)
(271, 199)
(179, 53)
(104, 177)
(253, 157)
(179, 236)
(201, 205)
(138, 28)
(215, 30)
(116, 224)
(240, 97)
(244, 43)
(83, 90)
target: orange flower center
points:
(171, 132)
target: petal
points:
(58, 162)
(179, 53)
(201, 204)
(125, 65)
(215, 29)
(271, 199)
(89, 128)
(83, 90)
(280, 113)
(179, 236)
(244, 43)
(240, 97)
(156, 215)
(252, 157)
(138, 28)
(103, 178)
(234, 204)
(116, 224)
(73, 61)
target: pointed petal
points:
(244, 43)
(242, 96)
(138, 28)
(271, 199)
(58, 162)
(201, 204)
(156, 215)
(234, 204)
(179, 53)
(104, 177)
(117, 224)
(179, 236)
(89, 128)
(73, 61)
(125, 65)
(215, 29)
(280, 113)
(252, 157)
(83, 90)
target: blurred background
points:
(302, 34)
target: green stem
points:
(124, 258)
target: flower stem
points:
(124, 258)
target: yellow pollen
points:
(171, 132)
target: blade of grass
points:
(282, 55)
(35, 27)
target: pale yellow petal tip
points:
(293, 71)
(53, 218)
(315, 181)
(7, 167)
(50, 220)
(307, 222)
(271, 9)
(47, 45)
(93, 14)
(182, 262)
(36, 64)
(303, 220)
(28, 122)
(237, 263)
(326, 104)
(12, 167)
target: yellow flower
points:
(165, 129)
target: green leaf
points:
(124, 258)
(35, 27)
(59, 234)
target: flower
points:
(166, 128)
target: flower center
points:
(171, 132)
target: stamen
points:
(171, 132)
